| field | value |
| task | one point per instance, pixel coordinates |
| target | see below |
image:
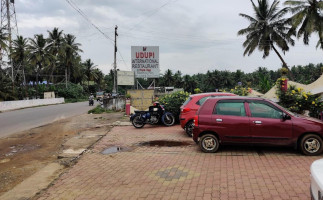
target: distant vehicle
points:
(243, 120)
(190, 107)
(317, 180)
(99, 96)
(91, 100)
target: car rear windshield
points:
(187, 100)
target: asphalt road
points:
(19, 120)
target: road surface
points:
(19, 120)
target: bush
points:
(241, 91)
(173, 102)
(297, 100)
(99, 110)
(73, 91)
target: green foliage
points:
(264, 83)
(73, 91)
(241, 91)
(174, 101)
(128, 96)
(99, 110)
(197, 90)
(297, 100)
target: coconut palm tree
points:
(71, 50)
(267, 30)
(55, 41)
(3, 42)
(39, 55)
(19, 54)
(308, 16)
(90, 71)
(168, 77)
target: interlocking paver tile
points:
(181, 172)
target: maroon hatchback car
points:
(233, 120)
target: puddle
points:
(164, 143)
(112, 150)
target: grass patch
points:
(99, 110)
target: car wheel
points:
(209, 143)
(189, 128)
(311, 145)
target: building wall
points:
(141, 99)
(12, 105)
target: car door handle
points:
(219, 120)
(257, 122)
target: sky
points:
(193, 36)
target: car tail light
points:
(185, 110)
(196, 120)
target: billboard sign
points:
(145, 61)
(125, 78)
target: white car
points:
(317, 180)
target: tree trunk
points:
(284, 63)
(66, 77)
(52, 72)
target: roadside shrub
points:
(241, 91)
(174, 101)
(73, 91)
(99, 110)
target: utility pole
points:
(115, 60)
(8, 27)
(115, 68)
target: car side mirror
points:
(285, 116)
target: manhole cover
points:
(112, 150)
(164, 143)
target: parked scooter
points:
(155, 115)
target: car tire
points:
(311, 145)
(189, 128)
(209, 143)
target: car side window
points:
(230, 108)
(201, 101)
(262, 110)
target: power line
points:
(153, 13)
(75, 7)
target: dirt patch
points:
(22, 154)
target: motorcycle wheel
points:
(168, 119)
(137, 122)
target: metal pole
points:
(9, 37)
(115, 60)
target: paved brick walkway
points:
(183, 172)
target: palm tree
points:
(90, 71)
(19, 54)
(168, 77)
(71, 50)
(55, 40)
(3, 44)
(39, 55)
(307, 14)
(267, 29)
